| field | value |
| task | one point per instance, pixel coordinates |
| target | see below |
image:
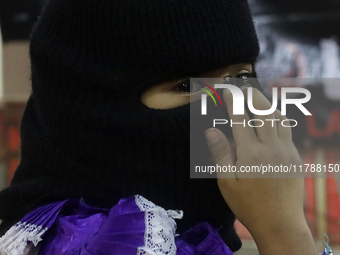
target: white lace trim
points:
(16, 239)
(160, 228)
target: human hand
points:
(271, 209)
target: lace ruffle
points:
(160, 228)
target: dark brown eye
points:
(183, 87)
(243, 79)
(186, 87)
(243, 76)
(238, 80)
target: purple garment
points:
(202, 239)
(135, 226)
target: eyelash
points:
(187, 84)
(247, 75)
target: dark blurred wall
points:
(17, 18)
(296, 36)
(300, 39)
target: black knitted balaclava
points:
(85, 132)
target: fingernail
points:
(212, 136)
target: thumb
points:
(220, 148)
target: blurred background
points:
(299, 39)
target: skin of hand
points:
(271, 209)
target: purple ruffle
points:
(129, 228)
(202, 239)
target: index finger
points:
(242, 132)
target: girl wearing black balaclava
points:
(92, 129)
